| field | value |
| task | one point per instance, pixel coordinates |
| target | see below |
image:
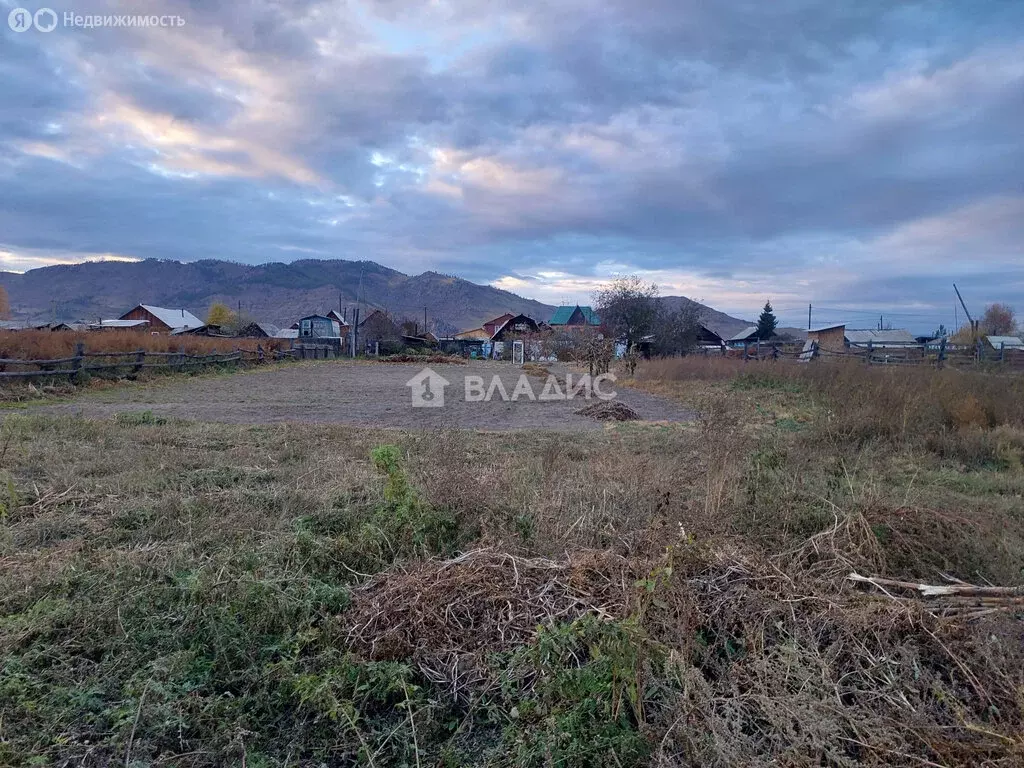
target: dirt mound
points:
(609, 410)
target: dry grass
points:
(53, 345)
(205, 594)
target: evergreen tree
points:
(766, 323)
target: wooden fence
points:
(935, 355)
(129, 362)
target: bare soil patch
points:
(357, 393)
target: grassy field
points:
(193, 594)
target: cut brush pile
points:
(749, 660)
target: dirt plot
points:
(344, 392)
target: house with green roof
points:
(573, 316)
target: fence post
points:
(870, 348)
(746, 351)
(980, 351)
(1002, 351)
(76, 364)
(942, 352)
(181, 358)
(140, 357)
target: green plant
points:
(140, 418)
(577, 696)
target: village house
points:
(379, 333)
(318, 327)
(746, 336)
(119, 325)
(157, 319)
(1000, 343)
(838, 337)
(491, 326)
(258, 331)
(340, 319)
(518, 325)
(574, 316)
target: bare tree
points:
(675, 333)
(628, 308)
(998, 320)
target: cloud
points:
(809, 151)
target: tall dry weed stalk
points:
(723, 443)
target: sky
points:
(861, 157)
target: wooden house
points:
(319, 327)
(574, 316)
(832, 337)
(518, 325)
(258, 331)
(379, 332)
(161, 319)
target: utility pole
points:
(974, 324)
(808, 317)
(424, 320)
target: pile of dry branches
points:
(957, 598)
(446, 615)
(611, 410)
(777, 660)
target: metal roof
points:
(1006, 341)
(287, 333)
(891, 336)
(744, 334)
(473, 334)
(173, 318)
(562, 315)
(826, 327)
(119, 323)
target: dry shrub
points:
(967, 413)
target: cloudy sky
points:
(858, 155)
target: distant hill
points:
(275, 293)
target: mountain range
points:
(275, 293)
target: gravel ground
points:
(346, 392)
